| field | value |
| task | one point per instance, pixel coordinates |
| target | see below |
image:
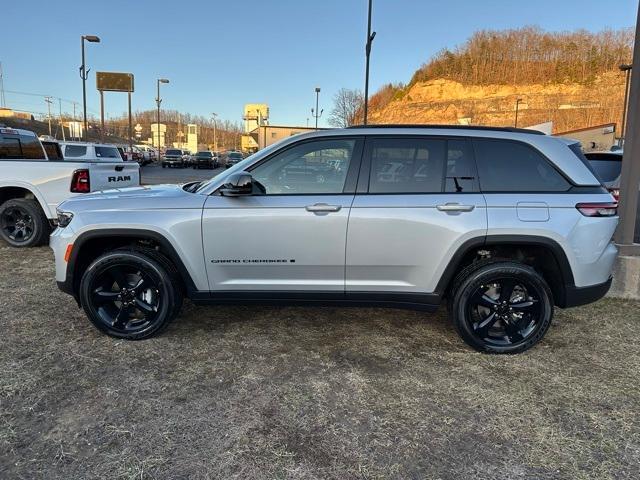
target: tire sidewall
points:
(491, 273)
(35, 212)
(151, 268)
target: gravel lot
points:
(263, 392)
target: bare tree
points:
(347, 108)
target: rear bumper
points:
(575, 296)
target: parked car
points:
(33, 183)
(205, 159)
(173, 157)
(501, 224)
(148, 154)
(231, 158)
(93, 152)
(608, 167)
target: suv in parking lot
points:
(502, 223)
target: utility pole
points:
(49, 102)
(370, 37)
(158, 102)
(630, 176)
(2, 99)
(84, 74)
(60, 117)
(317, 114)
(215, 139)
(627, 69)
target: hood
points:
(152, 197)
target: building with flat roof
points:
(266, 135)
(596, 138)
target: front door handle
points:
(323, 208)
(455, 207)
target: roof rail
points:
(453, 127)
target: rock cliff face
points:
(568, 105)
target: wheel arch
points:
(551, 260)
(22, 190)
(89, 245)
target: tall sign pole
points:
(370, 37)
(630, 178)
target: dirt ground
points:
(314, 393)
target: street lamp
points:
(158, 102)
(317, 113)
(627, 69)
(215, 140)
(84, 74)
(518, 101)
(370, 37)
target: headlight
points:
(64, 218)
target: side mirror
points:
(237, 185)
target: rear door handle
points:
(323, 208)
(455, 207)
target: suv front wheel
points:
(501, 307)
(131, 293)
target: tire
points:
(23, 223)
(501, 306)
(131, 293)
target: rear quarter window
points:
(75, 151)
(511, 166)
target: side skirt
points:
(414, 301)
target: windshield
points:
(235, 155)
(203, 154)
(173, 152)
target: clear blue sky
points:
(220, 55)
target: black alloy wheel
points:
(17, 224)
(130, 294)
(23, 223)
(502, 307)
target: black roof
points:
(453, 127)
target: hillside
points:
(571, 79)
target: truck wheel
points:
(501, 307)
(23, 223)
(131, 293)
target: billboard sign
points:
(114, 82)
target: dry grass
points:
(239, 392)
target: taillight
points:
(609, 209)
(80, 181)
(616, 193)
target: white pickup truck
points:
(33, 183)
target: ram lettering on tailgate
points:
(119, 178)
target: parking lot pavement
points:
(154, 174)
(331, 393)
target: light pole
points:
(158, 102)
(215, 140)
(317, 113)
(84, 74)
(627, 69)
(518, 101)
(370, 37)
(48, 100)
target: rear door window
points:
(10, 148)
(510, 166)
(406, 165)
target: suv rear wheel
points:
(501, 307)
(23, 223)
(131, 293)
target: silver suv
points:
(502, 223)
